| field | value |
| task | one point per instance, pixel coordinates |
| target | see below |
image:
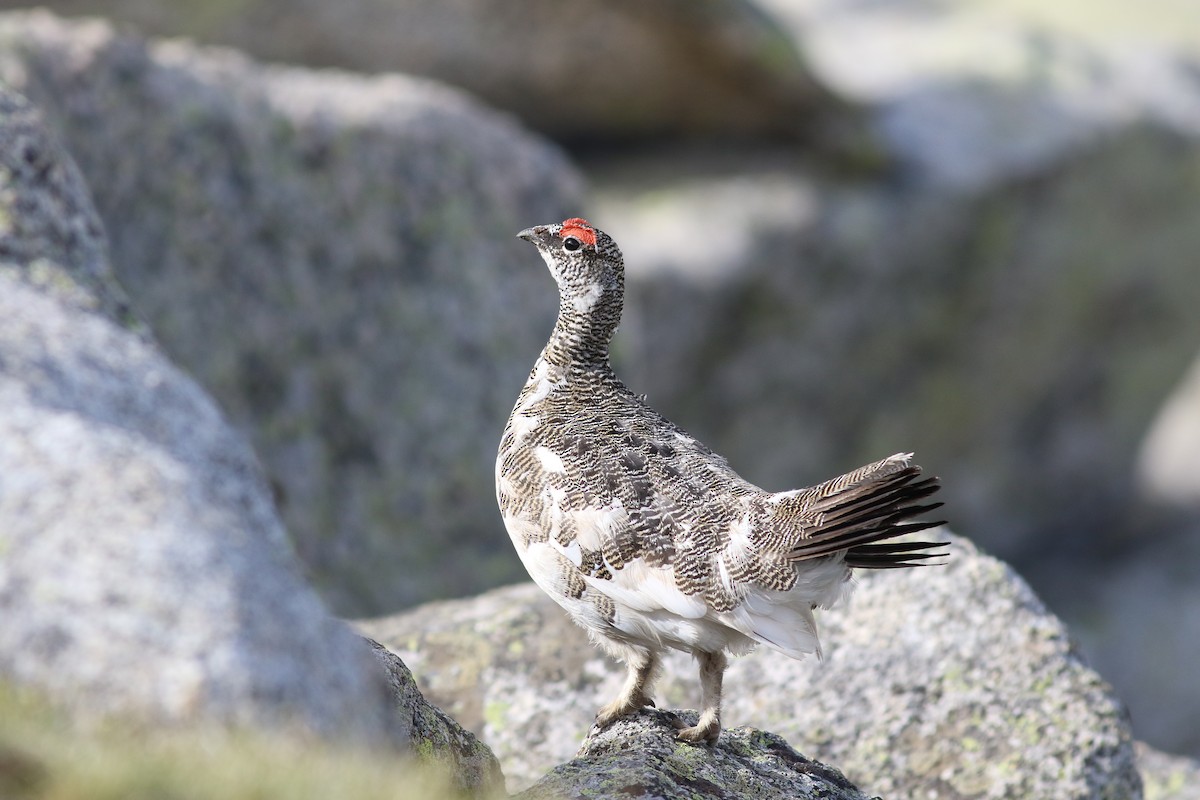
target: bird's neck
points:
(585, 328)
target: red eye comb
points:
(581, 229)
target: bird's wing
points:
(641, 508)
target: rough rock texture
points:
(1168, 777)
(144, 569)
(50, 235)
(437, 738)
(591, 69)
(952, 680)
(333, 257)
(640, 757)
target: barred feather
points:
(646, 536)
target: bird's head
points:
(585, 261)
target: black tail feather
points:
(858, 518)
(893, 555)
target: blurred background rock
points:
(963, 228)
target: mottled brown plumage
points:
(647, 537)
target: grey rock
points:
(50, 235)
(333, 257)
(965, 95)
(436, 738)
(144, 569)
(1168, 777)
(953, 680)
(620, 69)
(1143, 615)
(640, 757)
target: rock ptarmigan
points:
(647, 537)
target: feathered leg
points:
(708, 728)
(635, 694)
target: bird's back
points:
(612, 504)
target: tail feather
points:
(856, 511)
(862, 502)
(892, 555)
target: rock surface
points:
(593, 70)
(954, 680)
(333, 257)
(144, 569)
(970, 94)
(1168, 777)
(1144, 615)
(436, 738)
(640, 757)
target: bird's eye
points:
(571, 244)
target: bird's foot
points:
(705, 731)
(622, 707)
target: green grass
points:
(44, 757)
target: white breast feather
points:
(543, 562)
(784, 620)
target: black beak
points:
(533, 234)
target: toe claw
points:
(705, 734)
(617, 710)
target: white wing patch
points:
(769, 618)
(572, 552)
(599, 524)
(522, 424)
(739, 546)
(651, 608)
(551, 462)
(641, 587)
(543, 562)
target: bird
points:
(646, 537)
